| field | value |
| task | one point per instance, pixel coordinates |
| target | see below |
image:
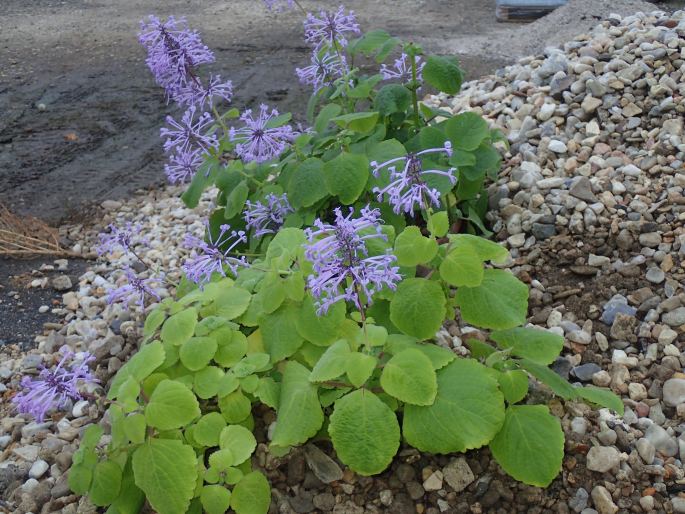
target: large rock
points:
(674, 392)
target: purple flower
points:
(213, 256)
(54, 387)
(195, 93)
(330, 28)
(267, 218)
(136, 289)
(182, 166)
(407, 188)
(278, 4)
(258, 142)
(343, 269)
(173, 52)
(402, 69)
(322, 71)
(124, 238)
(189, 134)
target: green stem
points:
(250, 177)
(219, 118)
(414, 96)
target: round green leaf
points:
(240, 441)
(307, 184)
(332, 363)
(232, 346)
(197, 352)
(346, 176)
(135, 427)
(206, 382)
(208, 428)
(230, 303)
(499, 302)
(235, 407)
(172, 405)
(467, 413)
(180, 327)
(252, 495)
(142, 364)
(530, 445)
(439, 224)
(467, 130)
(166, 471)
(462, 267)
(279, 333)
(535, 344)
(443, 73)
(514, 385)
(359, 367)
(364, 431)
(418, 307)
(409, 377)
(106, 483)
(215, 499)
(411, 248)
(392, 98)
(319, 330)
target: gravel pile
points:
(590, 203)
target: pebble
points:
(678, 504)
(38, 469)
(557, 146)
(646, 450)
(602, 458)
(458, 474)
(603, 501)
(675, 318)
(674, 392)
(662, 441)
(61, 283)
(433, 482)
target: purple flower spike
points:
(330, 28)
(195, 93)
(278, 4)
(124, 238)
(402, 69)
(173, 52)
(267, 218)
(55, 387)
(182, 166)
(136, 290)
(322, 71)
(189, 134)
(343, 269)
(258, 142)
(213, 256)
(407, 188)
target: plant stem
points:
(414, 96)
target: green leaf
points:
(548, 377)
(307, 184)
(206, 382)
(215, 499)
(346, 176)
(166, 471)
(235, 200)
(196, 353)
(271, 292)
(130, 499)
(462, 267)
(530, 445)
(439, 224)
(268, 392)
(392, 98)
(239, 441)
(365, 432)
(361, 122)
(319, 330)
(232, 347)
(467, 131)
(535, 344)
(499, 302)
(208, 428)
(467, 413)
(418, 307)
(327, 113)
(485, 249)
(141, 365)
(332, 363)
(514, 385)
(359, 367)
(411, 248)
(409, 377)
(299, 411)
(252, 363)
(235, 407)
(443, 73)
(230, 303)
(172, 405)
(106, 483)
(80, 478)
(134, 428)
(153, 321)
(370, 42)
(601, 397)
(279, 333)
(252, 495)
(205, 175)
(180, 327)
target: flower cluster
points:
(257, 140)
(119, 238)
(213, 255)
(408, 188)
(402, 69)
(323, 70)
(174, 53)
(330, 28)
(343, 269)
(53, 388)
(267, 218)
(136, 289)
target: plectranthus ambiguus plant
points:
(333, 256)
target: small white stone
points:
(38, 469)
(557, 146)
(43, 309)
(80, 408)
